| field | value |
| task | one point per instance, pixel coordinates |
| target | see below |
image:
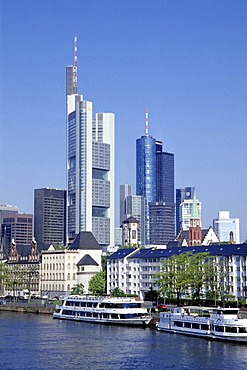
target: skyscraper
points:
(227, 228)
(155, 181)
(184, 207)
(125, 190)
(90, 165)
(146, 170)
(50, 216)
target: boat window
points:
(105, 315)
(178, 323)
(114, 316)
(219, 328)
(204, 327)
(242, 330)
(230, 329)
(195, 326)
(95, 314)
(82, 314)
(187, 325)
(88, 314)
(77, 304)
(129, 316)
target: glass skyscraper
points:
(155, 181)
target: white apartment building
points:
(133, 270)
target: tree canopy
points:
(186, 272)
(97, 283)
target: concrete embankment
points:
(26, 308)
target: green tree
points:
(97, 283)
(201, 273)
(4, 276)
(174, 275)
(77, 289)
(117, 292)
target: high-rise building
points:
(90, 165)
(227, 228)
(155, 181)
(181, 195)
(125, 190)
(50, 216)
(18, 226)
(162, 222)
(184, 208)
(135, 206)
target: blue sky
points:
(183, 60)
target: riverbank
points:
(28, 308)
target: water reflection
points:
(39, 342)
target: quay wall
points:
(37, 309)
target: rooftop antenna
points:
(146, 122)
(75, 65)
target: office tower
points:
(146, 166)
(125, 190)
(50, 216)
(146, 170)
(18, 226)
(135, 206)
(182, 194)
(184, 205)
(155, 181)
(162, 212)
(5, 209)
(90, 165)
(162, 222)
(227, 228)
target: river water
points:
(29, 341)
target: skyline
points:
(184, 61)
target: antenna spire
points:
(146, 122)
(75, 65)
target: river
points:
(29, 341)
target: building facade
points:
(124, 191)
(227, 228)
(50, 216)
(162, 222)
(90, 165)
(64, 268)
(135, 205)
(182, 194)
(17, 226)
(134, 271)
(184, 208)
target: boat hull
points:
(125, 322)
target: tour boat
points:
(208, 322)
(105, 310)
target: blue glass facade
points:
(146, 168)
(155, 181)
(165, 177)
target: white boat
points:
(105, 310)
(206, 322)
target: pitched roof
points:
(213, 250)
(85, 240)
(87, 261)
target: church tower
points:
(195, 229)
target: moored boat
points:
(105, 310)
(207, 322)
